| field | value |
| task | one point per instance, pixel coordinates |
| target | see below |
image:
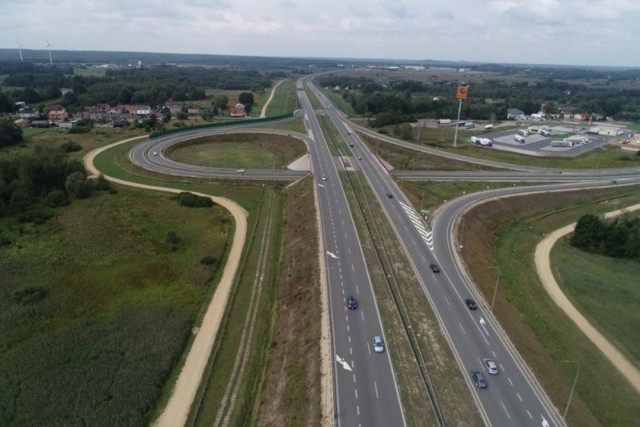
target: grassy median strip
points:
(409, 321)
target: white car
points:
(324, 178)
(155, 153)
(490, 366)
(378, 345)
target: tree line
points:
(618, 238)
(32, 184)
(398, 101)
(153, 86)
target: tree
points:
(221, 102)
(246, 98)
(77, 185)
(9, 133)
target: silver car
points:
(378, 346)
(490, 366)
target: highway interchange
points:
(365, 389)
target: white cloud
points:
(544, 31)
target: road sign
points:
(462, 92)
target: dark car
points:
(389, 195)
(478, 379)
(352, 302)
(435, 268)
(471, 304)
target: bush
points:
(102, 184)
(193, 201)
(77, 185)
(36, 216)
(70, 147)
(57, 198)
(208, 260)
(29, 295)
(174, 240)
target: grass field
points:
(599, 286)
(250, 151)
(284, 100)
(97, 307)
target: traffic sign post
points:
(461, 93)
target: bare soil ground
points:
(291, 393)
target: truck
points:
(481, 141)
(521, 139)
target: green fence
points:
(218, 124)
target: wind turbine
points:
(20, 50)
(49, 46)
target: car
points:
(324, 178)
(155, 153)
(378, 345)
(389, 195)
(613, 181)
(471, 303)
(350, 145)
(359, 158)
(490, 366)
(435, 268)
(240, 171)
(352, 302)
(478, 379)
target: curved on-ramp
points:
(177, 409)
(543, 266)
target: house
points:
(237, 111)
(28, 113)
(193, 111)
(57, 114)
(513, 113)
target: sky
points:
(563, 32)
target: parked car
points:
(378, 345)
(478, 379)
(471, 304)
(490, 366)
(435, 268)
(352, 302)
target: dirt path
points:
(177, 409)
(543, 265)
(263, 112)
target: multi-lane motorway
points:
(365, 391)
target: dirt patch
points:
(291, 391)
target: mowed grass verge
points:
(504, 234)
(600, 286)
(97, 306)
(248, 151)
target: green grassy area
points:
(339, 102)
(97, 306)
(250, 151)
(502, 234)
(284, 100)
(599, 286)
(222, 369)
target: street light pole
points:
(495, 288)
(495, 291)
(575, 381)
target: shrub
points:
(57, 198)
(174, 240)
(36, 216)
(102, 184)
(29, 295)
(70, 147)
(208, 260)
(193, 201)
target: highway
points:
(365, 390)
(513, 397)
